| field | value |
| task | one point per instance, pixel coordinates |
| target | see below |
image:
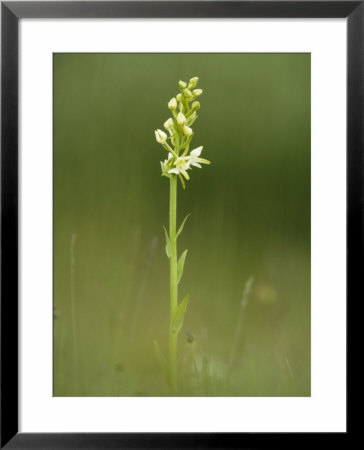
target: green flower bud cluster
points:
(183, 107)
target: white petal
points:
(173, 171)
(169, 156)
(196, 164)
(186, 166)
(197, 151)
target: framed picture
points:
(181, 221)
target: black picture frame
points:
(11, 12)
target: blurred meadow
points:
(250, 217)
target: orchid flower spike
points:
(180, 159)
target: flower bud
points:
(182, 84)
(197, 92)
(196, 105)
(188, 93)
(181, 119)
(168, 123)
(192, 117)
(187, 130)
(172, 105)
(160, 136)
(193, 82)
(179, 97)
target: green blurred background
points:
(250, 217)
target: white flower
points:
(181, 119)
(194, 158)
(172, 104)
(181, 165)
(160, 136)
(164, 164)
(169, 157)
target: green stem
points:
(173, 281)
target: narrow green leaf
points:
(162, 361)
(179, 315)
(168, 243)
(182, 225)
(180, 265)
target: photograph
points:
(181, 225)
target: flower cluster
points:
(184, 109)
